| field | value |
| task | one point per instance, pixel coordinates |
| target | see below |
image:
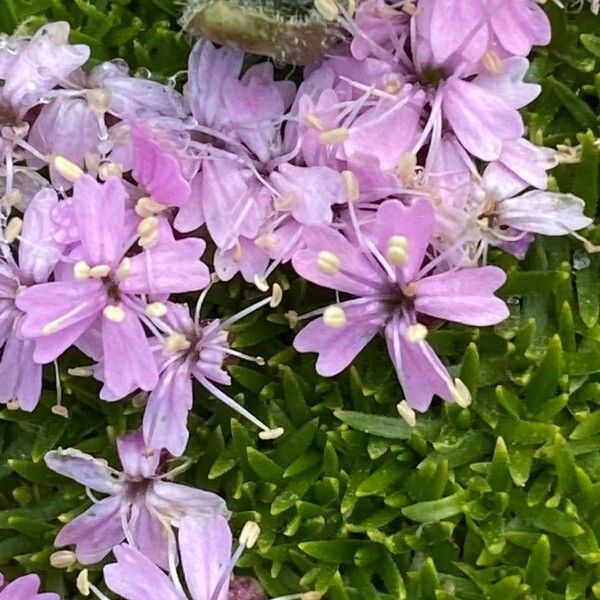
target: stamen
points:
(12, 405)
(99, 271)
(66, 168)
(124, 269)
(149, 240)
(83, 584)
(397, 253)
(148, 207)
(415, 333)
(334, 136)
(110, 169)
(249, 535)
(99, 99)
(176, 342)
(328, 9)
(351, 185)
(81, 371)
(461, 394)
(334, 317)
(13, 230)
(314, 122)
(407, 166)
(272, 434)
(96, 591)
(114, 313)
(407, 413)
(328, 262)
(276, 296)
(156, 310)
(147, 226)
(81, 270)
(491, 61)
(62, 559)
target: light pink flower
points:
(24, 588)
(141, 504)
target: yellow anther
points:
(110, 169)
(491, 61)
(334, 317)
(176, 342)
(66, 168)
(81, 371)
(328, 262)
(314, 121)
(147, 226)
(328, 9)
(271, 434)
(276, 296)
(407, 166)
(99, 271)
(62, 559)
(99, 99)
(407, 413)
(461, 394)
(334, 136)
(397, 253)
(351, 185)
(249, 534)
(416, 333)
(114, 313)
(156, 310)
(147, 207)
(81, 270)
(60, 411)
(124, 269)
(13, 230)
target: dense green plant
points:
(499, 501)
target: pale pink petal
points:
(338, 347)
(158, 171)
(176, 501)
(149, 534)
(137, 462)
(85, 469)
(205, 548)
(356, 274)
(135, 577)
(190, 216)
(168, 268)
(20, 376)
(165, 417)
(521, 24)
(128, 359)
(480, 120)
(465, 296)
(100, 214)
(95, 532)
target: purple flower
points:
(20, 375)
(206, 559)
(141, 504)
(191, 349)
(394, 289)
(101, 287)
(24, 588)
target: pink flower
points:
(393, 288)
(24, 588)
(205, 550)
(20, 375)
(141, 504)
(191, 349)
(101, 287)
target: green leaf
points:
(436, 510)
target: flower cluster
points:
(386, 176)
